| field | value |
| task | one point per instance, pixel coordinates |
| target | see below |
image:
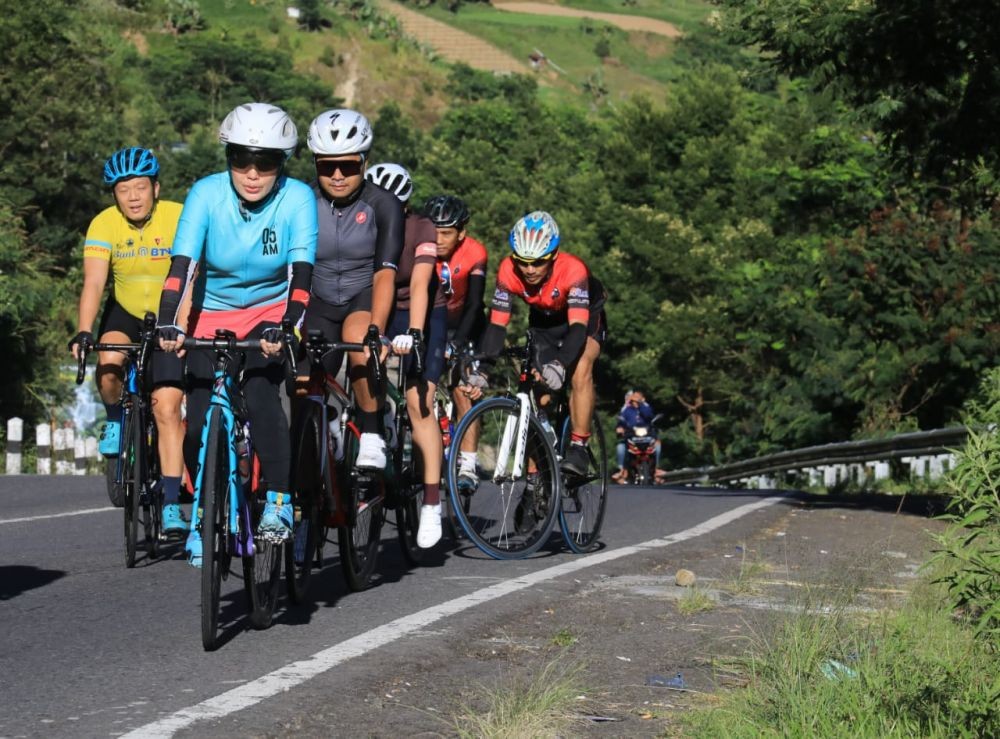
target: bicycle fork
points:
(515, 432)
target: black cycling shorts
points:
(435, 339)
(548, 333)
(168, 368)
(329, 319)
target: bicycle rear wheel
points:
(132, 478)
(214, 525)
(506, 516)
(152, 498)
(359, 539)
(307, 492)
(409, 495)
(585, 498)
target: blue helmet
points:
(535, 236)
(133, 161)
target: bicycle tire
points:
(131, 466)
(490, 520)
(585, 499)
(262, 574)
(409, 495)
(307, 492)
(214, 525)
(153, 498)
(359, 539)
(116, 494)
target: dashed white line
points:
(84, 512)
(291, 675)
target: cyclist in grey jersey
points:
(361, 232)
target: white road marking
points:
(58, 515)
(291, 675)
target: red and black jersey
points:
(468, 259)
(569, 291)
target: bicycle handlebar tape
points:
(418, 350)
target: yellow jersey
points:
(139, 257)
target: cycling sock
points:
(114, 412)
(467, 460)
(432, 493)
(368, 422)
(576, 438)
(171, 490)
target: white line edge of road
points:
(291, 675)
(85, 511)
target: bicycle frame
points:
(516, 429)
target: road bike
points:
(329, 491)
(520, 491)
(227, 501)
(134, 474)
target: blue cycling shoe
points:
(173, 519)
(193, 548)
(278, 517)
(109, 445)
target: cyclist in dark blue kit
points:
(361, 229)
(251, 233)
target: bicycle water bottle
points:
(390, 423)
(550, 433)
(243, 458)
(445, 423)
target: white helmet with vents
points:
(392, 177)
(340, 132)
(535, 236)
(260, 126)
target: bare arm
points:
(420, 283)
(95, 278)
(383, 295)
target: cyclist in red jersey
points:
(461, 271)
(567, 321)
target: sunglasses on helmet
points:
(263, 160)
(537, 262)
(347, 167)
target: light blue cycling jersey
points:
(244, 256)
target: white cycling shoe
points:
(371, 452)
(429, 532)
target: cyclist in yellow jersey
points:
(132, 241)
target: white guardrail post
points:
(43, 445)
(15, 439)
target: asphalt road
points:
(88, 648)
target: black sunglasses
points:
(347, 167)
(263, 160)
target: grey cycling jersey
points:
(356, 240)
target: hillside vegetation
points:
(783, 268)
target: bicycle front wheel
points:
(132, 478)
(359, 539)
(214, 525)
(509, 509)
(262, 573)
(307, 492)
(585, 498)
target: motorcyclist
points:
(635, 412)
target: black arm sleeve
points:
(572, 345)
(492, 342)
(472, 312)
(173, 290)
(391, 223)
(298, 293)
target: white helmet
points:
(261, 126)
(340, 132)
(392, 177)
(534, 236)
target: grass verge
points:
(695, 600)
(914, 672)
(519, 708)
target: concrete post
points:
(15, 438)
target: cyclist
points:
(360, 241)
(132, 241)
(461, 271)
(251, 231)
(566, 318)
(421, 314)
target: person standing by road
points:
(131, 242)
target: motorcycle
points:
(640, 454)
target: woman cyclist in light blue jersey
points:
(251, 233)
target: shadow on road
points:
(16, 579)
(923, 505)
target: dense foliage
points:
(774, 282)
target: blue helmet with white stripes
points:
(535, 236)
(133, 161)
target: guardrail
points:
(926, 449)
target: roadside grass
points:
(516, 707)
(564, 638)
(745, 580)
(695, 600)
(913, 672)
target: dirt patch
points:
(643, 658)
(625, 22)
